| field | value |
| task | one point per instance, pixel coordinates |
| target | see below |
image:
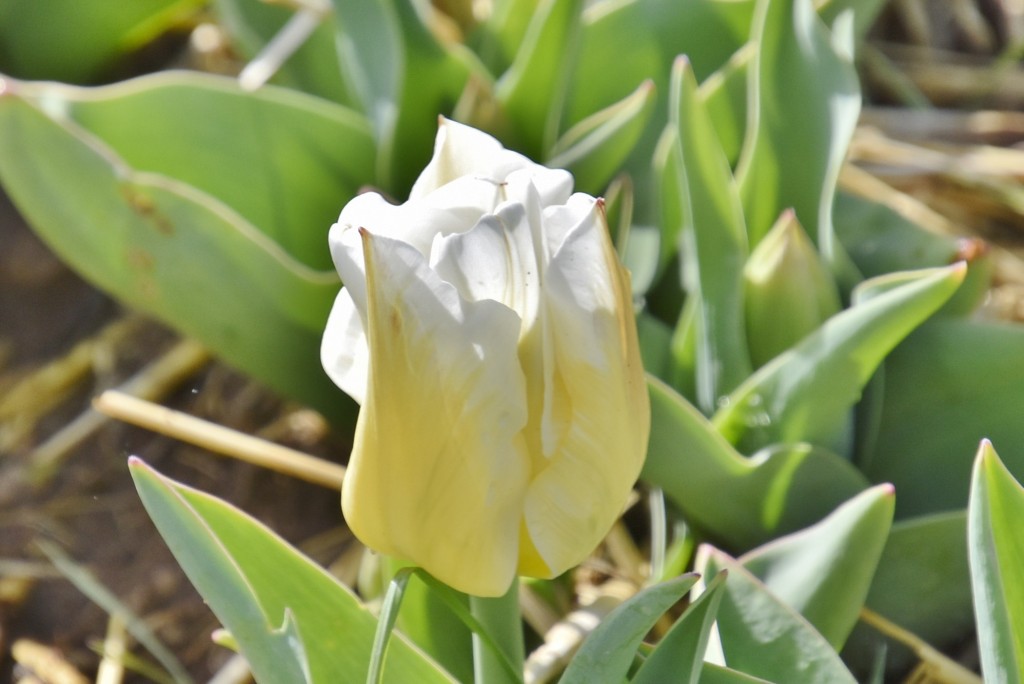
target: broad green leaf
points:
(782, 490)
(81, 41)
(171, 250)
(655, 338)
(715, 674)
(371, 53)
(255, 583)
(594, 149)
(724, 94)
(715, 241)
(655, 31)
(285, 161)
(804, 102)
(763, 636)
(824, 571)
(806, 393)
(880, 241)
(996, 551)
(312, 68)
(947, 386)
(608, 652)
(679, 655)
(403, 77)
(672, 202)
(922, 584)
(502, 32)
(532, 91)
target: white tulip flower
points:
(486, 328)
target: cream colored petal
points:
(601, 415)
(438, 470)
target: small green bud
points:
(789, 290)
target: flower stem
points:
(500, 617)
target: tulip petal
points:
(453, 209)
(343, 351)
(495, 260)
(462, 151)
(600, 413)
(438, 470)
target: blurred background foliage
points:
(827, 295)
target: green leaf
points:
(255, 583)
(312, 68)
(81, 41)
(804, 102)
(922, 584)
(715, 674)
(824, 571)
(715, 240)
(806, 393)
(763, 636)
(171, 250)
(532, 91)
(947, 386)
(608, 652)
(779, 491)
(403, 77)
(594, 149)
(679, 656)
(285, 161)
(996, 550)
(428, 622)
(864, 13)
(724, 94)
(880, 241)
(386, 624)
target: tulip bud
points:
(789, 291)
(486, 327)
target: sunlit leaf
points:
(608, 652)
(948, 386)
(764, 637)
(81, 41)
(782, 490)
(715, 242)
(805, 105)
(176, 251)
(824, 571)
(679, 655)
(806, 393)
(255, 583)
(996, 550)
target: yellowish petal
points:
(438, 471)
(600, 416)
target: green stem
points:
(501, 619)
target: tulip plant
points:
(816, 382)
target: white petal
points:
(494, 260)
(438, 470)
(343, 350)
(461, 150)
(452, 209)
